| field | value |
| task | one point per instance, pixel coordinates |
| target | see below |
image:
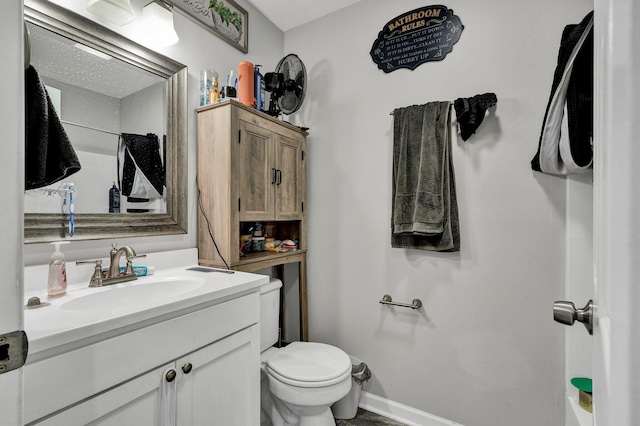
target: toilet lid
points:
(308, 364)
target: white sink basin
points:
(131, 295)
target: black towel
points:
(471, 111)
(49, 156)
(143, 173)
(572, 87)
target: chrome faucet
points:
(114, 263)
(113, 275)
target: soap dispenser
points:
(57, 284)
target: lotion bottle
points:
(57, 284)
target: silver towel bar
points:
(415, 304)
(451, 102)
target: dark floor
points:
(366, 418)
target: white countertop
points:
(68, 323)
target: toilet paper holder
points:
(415, 304)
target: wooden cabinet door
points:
(256, 172)
(147, 400)
(220, 383)
(288, 182)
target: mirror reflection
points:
(148, 97)
(98, 98)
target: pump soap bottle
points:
(57, 284)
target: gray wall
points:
(484, 351)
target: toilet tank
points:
(269, 313)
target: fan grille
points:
(295, 81)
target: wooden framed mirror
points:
(172, 218)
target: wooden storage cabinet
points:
(270, 188)
(251, 168)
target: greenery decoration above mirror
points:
(46, 227)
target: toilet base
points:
(274, 412)
(321, 418)
(324, 418)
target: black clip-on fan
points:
(274, 83)
(287, 85)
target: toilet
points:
(299, 382)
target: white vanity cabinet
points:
(197, 367)
(137, 402)
(232, 398)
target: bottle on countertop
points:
(258, 88)
(57, 283)
(114, 199)
(206, 82)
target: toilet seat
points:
(309, 365)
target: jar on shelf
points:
(257, 244)
(270, 229)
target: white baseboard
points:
(400, 412)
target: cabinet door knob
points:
(273, 174)
(171, 375)
(278, 177)
(187, 368)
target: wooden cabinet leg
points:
(278, 272)
(302, 277)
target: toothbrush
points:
(229, 77)
(71, 208)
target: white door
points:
(11, 222)
(616, 368)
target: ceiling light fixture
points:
(118, 12)
(157, 21)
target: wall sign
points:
(224, 18)
(423, 35)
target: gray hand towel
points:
(425, 209)
(49, 156)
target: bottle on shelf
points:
(214, 92)
(257, 230)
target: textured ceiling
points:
(288, 14)
(56, 57)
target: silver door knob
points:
(566, 313)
